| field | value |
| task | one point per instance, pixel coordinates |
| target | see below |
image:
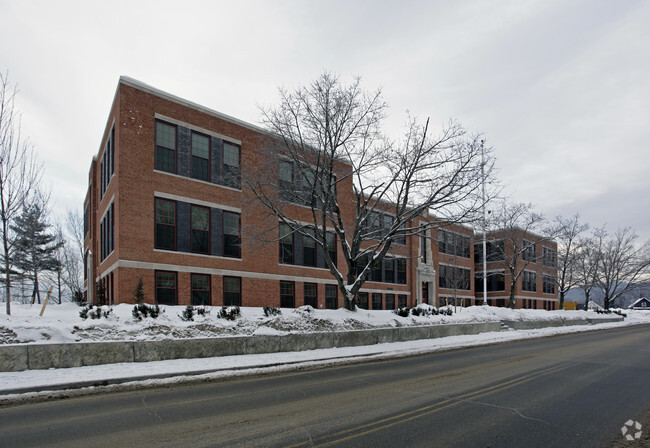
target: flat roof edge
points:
(127, 80)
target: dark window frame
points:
(286, 247)
(228, 240)
(287, 300)
(529, 281)
(229, 171)
(331, 300)
(309, 248)
(157, 288)
(205, 301)
(228, 300)
(377, 301)
(197, 234)
(313, 298)
(193, 173)
(157, 162)
(156, 223)
(362, 300)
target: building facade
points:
(166, 204)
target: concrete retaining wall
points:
(15, 358)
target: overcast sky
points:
(560, 88)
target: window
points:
(331, 297)
(376, 274)
(166, 288)
(362, 298)
(86, 221)
(529, 281)
(548, 257)
(165, 224)
(453, 244)
(386, 224)
(200, 236)
(107, 164)
(423, 245)
(495, 251)
(232, 291)
(200, 157)
(231, 165)
(549, 284)
(309, 248)
(453, 277)
(165, 147)
(286, 244)
(400, 237)
(401, 271)
(376, 301)
(528, 253)
(390, 301)
(311, 294)
(285, 182)
(401, 301)
(287, 294)
(495, 282)
(331, 246)
(231, 238)
(200, 289)
(106, 233)
(389, 270)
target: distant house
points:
(641, 304)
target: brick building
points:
(165, 203)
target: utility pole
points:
(484, 225)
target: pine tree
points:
(138, 292)
(35, 249)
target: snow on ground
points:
(51, 383)
(62, 323)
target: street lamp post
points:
(484, 225)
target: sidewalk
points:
(82, 380)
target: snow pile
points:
(62, 323)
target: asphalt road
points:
(574, 390)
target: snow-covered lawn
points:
(62, 323)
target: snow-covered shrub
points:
(402, 312)
(143, 310)
(94, 312)
(201, 311)
(229, 312)
(138, 292)
(271, 311)
(305, 309)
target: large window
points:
(165, 147)
(401, 301)
(390, 301)
(495, 282)
(376, 301)
(200, 157)
(231, 235)
(529, 281)
(107, 164)
(285, 173)
(166, 288)
(454, 277)
(200, 289)
(401, 270)
(362, 298)
(106, 232)
(309, 248)
(165, 224)
(331, 297)
(200, 237)
(453, 244)
(528, 253)
(286, 244)
(548, 257)
(389, 270)
(495, 251)
(287, 294)
(311, 294)
(549, 284)
(231, 165)
(232, 291)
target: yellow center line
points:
(426, 410)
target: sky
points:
(561, 90)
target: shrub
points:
(402, 312)
(101, 294)
(138, 292)
(229, 312)
(143, 310)
(202, 311)
(79, 297)
(94, 312)
(188, 313)
(271, 311)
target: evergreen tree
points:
(35, 249)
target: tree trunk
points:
(561, 300)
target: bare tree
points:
(327, 140)
(586, 261)
(623, 264)
(19, 175)
(567, 232)
(515, 230)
